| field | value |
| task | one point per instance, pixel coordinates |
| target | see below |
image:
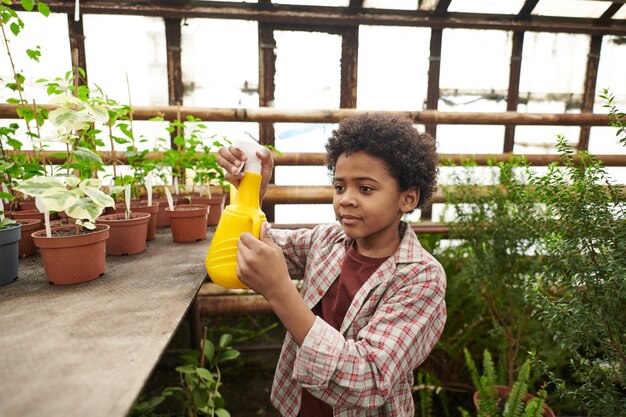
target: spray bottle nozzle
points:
(250, 148)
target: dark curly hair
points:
(409, 156)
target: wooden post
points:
(349, 67)
(513, 94)
(434, 70)
(174, 71)
(589, 95)
(267, 87)
(77, 43)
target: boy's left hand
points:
(261, 264)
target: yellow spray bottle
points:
(241, 215)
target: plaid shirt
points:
(395, 319)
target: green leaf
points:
(28, 5)
(58, 199)
(43, 9)
(85, 209)
(87, 155)
(209, 350)
(228, 355)
(205, 374)
(225, 340)
(220, 412)
(38, 185)
(98, 197)
(200, 397)
(15, 28)
(186, 369)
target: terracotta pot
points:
(163, 219)
(215, 203)
(502, 391)
(9, 253)
(33, 214)
(73, 259)
(27, 245)
(28, 204)
(143, 207)
(188, 222)
(126, 236)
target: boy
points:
(372, 301)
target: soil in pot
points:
(9, 253)
(188, 222)
(27, 245)
(70, 258)
(126, 236)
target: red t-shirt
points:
(332, 308)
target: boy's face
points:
(366, 199)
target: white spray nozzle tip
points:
(250, 148)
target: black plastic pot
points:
(9, 252)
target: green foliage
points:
(200, 380)
(580, 292)
(490, 403)
(427, 390)
(80, 200)
(494, 250)
(194, 152)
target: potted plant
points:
(75, 253)
(9, 246)
(493, 400)
(128, 231)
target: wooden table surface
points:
(88, 349)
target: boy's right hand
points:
(232, 159)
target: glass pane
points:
(302, 137)
(336, 3)
(55, 59)
(611, 71)
(542, 139)
(304, 213)
(220, 63)
(392, 78)
(308, 71)
(475, 60)
(553, 64)
(132, 58)
(602, 140)
(570, 8)
(486, 6)
(471, 139)
(395, 4)
(301, 175)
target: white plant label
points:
(149, 188)
(41, 206)
(170, 201)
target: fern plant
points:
(490, 403)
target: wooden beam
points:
(342, 16)
(610, 12)
(527, 9)
(319, 159)
(277, 115)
